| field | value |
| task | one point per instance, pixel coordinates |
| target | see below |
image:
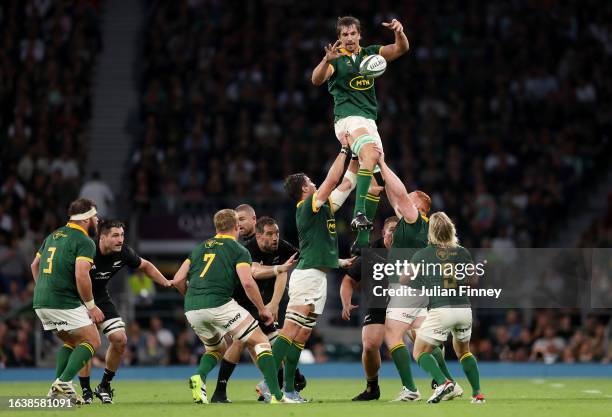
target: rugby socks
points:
(291, 363)
(428, 363)
(78, 358)
(470, 367)
(439, 356)
(225, 372)
(371, 205)
(280, 348)
(107, 377)
(61, 360)
(402, 360)
(265, 362)
(84, 381)
(372, 384)
(207, 363)
(364, 179)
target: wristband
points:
(345, 150)
(275, 269)
(91, 304)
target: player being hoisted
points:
(355, 109)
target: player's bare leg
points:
(114, 353)
(372, 337)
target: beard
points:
(92, 229)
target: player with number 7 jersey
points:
(212, 272)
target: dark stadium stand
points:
(500, 111)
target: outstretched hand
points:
(332, 52)
(394, 25)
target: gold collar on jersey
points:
(77, 227)
(222, 236)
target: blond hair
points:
(442, 231)
(225, 220)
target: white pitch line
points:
(538, 381)
(592, 391)
(557, 385)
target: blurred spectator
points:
(99, 191)
(549, 347)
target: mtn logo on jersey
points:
(331, 226)
(360, 83)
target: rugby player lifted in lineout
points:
(356, 110)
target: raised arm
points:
(400, 47)
(398, 195)
(333, 176)
(324, 70)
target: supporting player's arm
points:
(180, 278)
(260, 271)
(152, 272)
(279, 289)
(324, 70)
(83, 283)
(397, 193)
(400, 47)
(252, 291)
(34, 266)
(333, 176)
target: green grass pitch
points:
(331, 397)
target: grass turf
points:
(331, 397)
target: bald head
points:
(247, 220)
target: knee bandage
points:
(248, 331)
(216, 344)
(300, 319)
(111, 326)
(262, 348)
(360, 141)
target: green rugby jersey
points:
(212, 272)
(408, 238)
(56, 284)
(442, 279)
(411, 235)
(317, 235)
(353, 94)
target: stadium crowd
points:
(500, 111)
